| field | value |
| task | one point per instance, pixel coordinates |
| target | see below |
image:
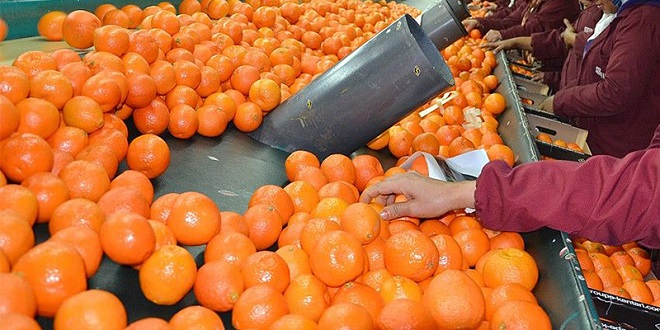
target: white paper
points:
(470, 163)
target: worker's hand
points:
(500, 45)
(547, 105)
(426, 197)
(569, 34)
(538, 77)
(493, 36)
(470, 24)
(491, 6)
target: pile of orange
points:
(621, 270)
(464, 123)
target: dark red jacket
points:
(549, 47)
(503, 8)
(605, 199)
(547, 16)
(616, 92)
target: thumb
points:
(568, 24)
(395, 210)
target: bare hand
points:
(500, 45)
(547, 105)
(470, 24)
(538, 77)
(426, 197)
(569, 34)
(493, 36)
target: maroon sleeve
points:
(580, 40)
(550, 15)
(548, 45)
(606, 199)
(500, 23)
(636, 38)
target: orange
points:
(400, 287)
(505, 293)
(265, 93)
(638, 291)
(16, 295)
(361, 221)
(243, 77)
(37, 116)
(162, 207)
(431, 227)
(584, 260)
(298, 160)
(78, 73)
(218, 285)
(366, 168)
(276, 197)
(224, 102)
(362, 295)
(142, 90)
(609, 277)
(136, 180)
(520, 315)
(50, 25)
(600, 260)
(404, 313)
(112, 39)
(230, 246)
(233, 221)
(641, 258)
(91, 308)
(163, 233)
(195, 316)
(495, 103)
(50, 192)
(83, 112)
(149, 323)
(293, 321)
(306, 295)
(152, 119)
(264, 225)
(501, 152)
(248, 117)
(116, 17)
(417, 265)
(19, 321)
(303, 194)
(10, 117)
(144, 43)
(621, 258)
(266, 267)
(296, 259)
(127, 238)
(14, 84)
(3, 29)
(104, 90)
(68, 139)
(340, 189)
(507, 239)
(85, 179)
(194, 219)
(78, 28)
(20, 200)
(337, 258)
(330, 208)
(450, 255)
(126, 200)
(345, 316)
(74, 212)
(474, 244)
(52, 86)
(33, 62)
(247, 312)
(454, 300)
(453, 115)
(48, 258)
(400, 142)
(313, 230)
(167, 275)
(510, 265)
(148, 154)
(463, 222)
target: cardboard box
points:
(526, 85)
(620, 313)
(530, 98)
(558, 130)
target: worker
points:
(614, 94)
(605, 199)
(559, 49)
(534, 16)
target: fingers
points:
(568, 24)
(387, 187)
(396, 210)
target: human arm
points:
(549, 15)
(605, 199)
(568, 35)
(628, 69)
(426, 197)
(523, 43)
